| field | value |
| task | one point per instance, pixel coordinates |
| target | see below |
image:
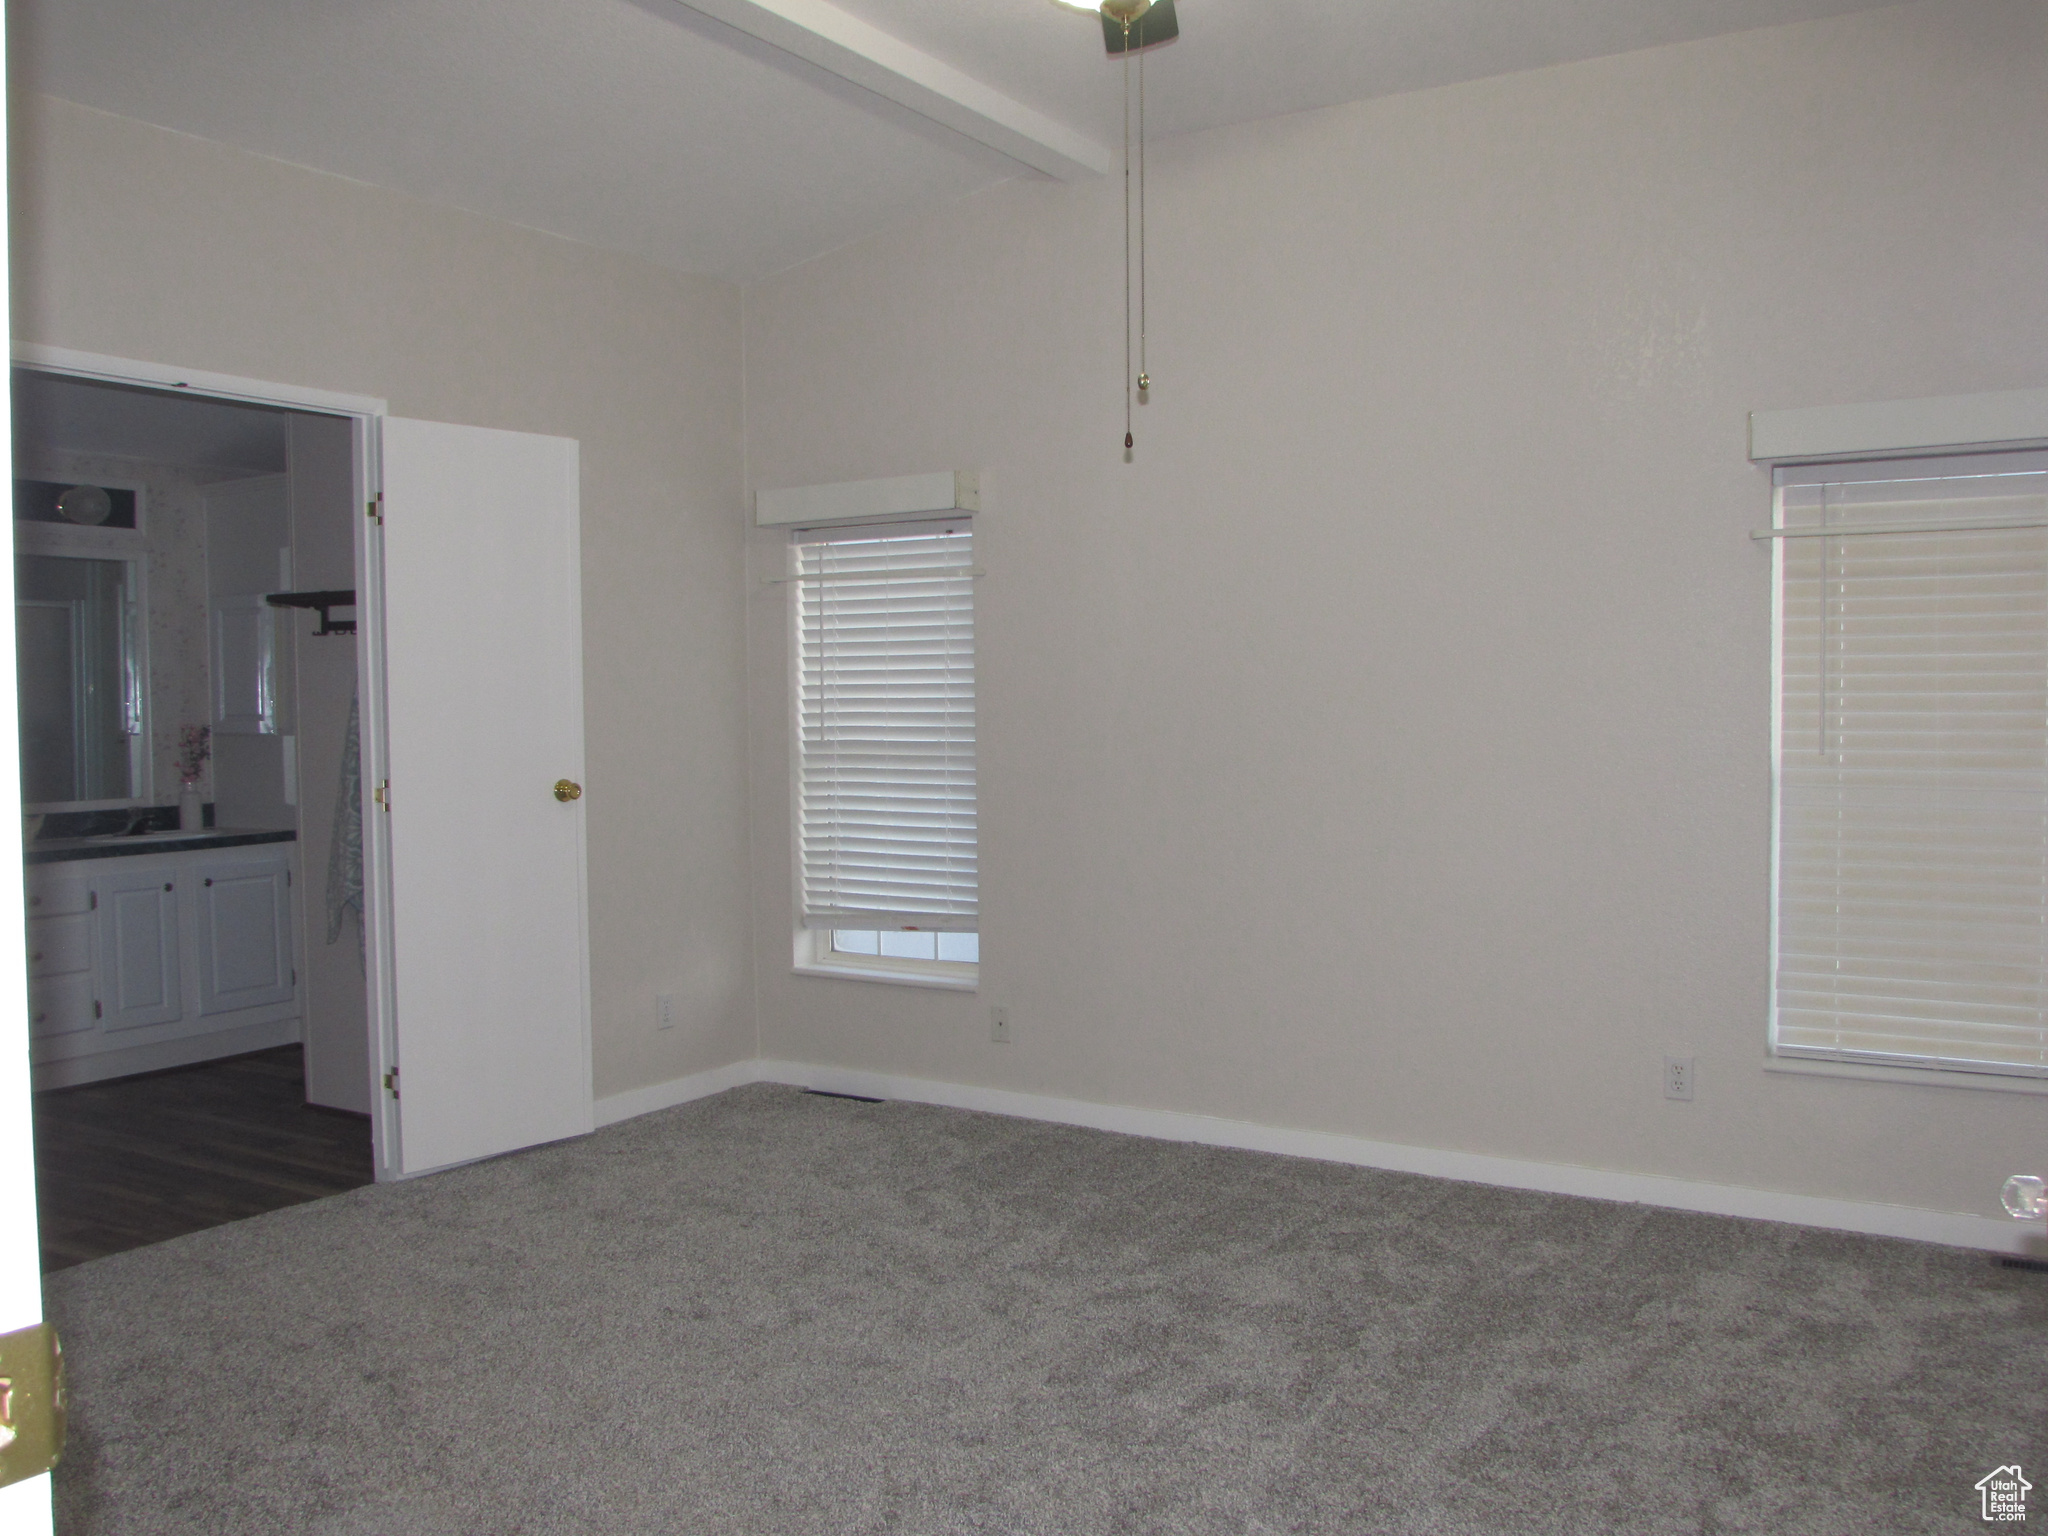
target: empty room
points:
(1028, 766)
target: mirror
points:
(80, 681)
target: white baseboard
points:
(1959, 1229)
(613, 1108)
(71, 1071)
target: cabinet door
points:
(139, 978)
(245, 946)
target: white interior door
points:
(483, 659)
(24, 1506)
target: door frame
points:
(366, 415)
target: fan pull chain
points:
(1144, 374)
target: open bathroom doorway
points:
(185, 574)
(469, 678)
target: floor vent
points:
(2040, 1266)
(861, 1098)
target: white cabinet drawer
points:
(56, 895)
(61, 1005)
(58, 946)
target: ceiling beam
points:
(824, 35)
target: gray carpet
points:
(775, 1313)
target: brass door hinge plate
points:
(31, 1402)
(391, 1082)
(375, 509)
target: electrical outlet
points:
(664, 1012)
(999, 1025)
(1678, 1077)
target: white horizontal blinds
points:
(1912, 840)
(885, 621)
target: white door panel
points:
(484, 713)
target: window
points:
(1910, 860)
(886, 819)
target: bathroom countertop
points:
(62, 850)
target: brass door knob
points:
(568, 789)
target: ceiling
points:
(647, 127)
(214, 439)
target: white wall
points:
(1384, 751)
(154, 245)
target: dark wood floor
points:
(140, 1159)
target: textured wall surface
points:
(1386, 749)
(142, 243)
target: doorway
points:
(474, 953)
(187, 668)
(130, 1161)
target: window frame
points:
(815, 956)
(1866, 467)
(812, 951)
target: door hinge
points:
(96, 1008)
(391, 1082)
(295, 975)
(31, 1402)
(382, 794)
(375, 509)
(92, 901)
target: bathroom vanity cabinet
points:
(143, 957)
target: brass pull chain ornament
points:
(567, 790)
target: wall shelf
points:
(325, 603)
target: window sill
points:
(888, 977)
(1868, 1072)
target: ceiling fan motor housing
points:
(1135, 24)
